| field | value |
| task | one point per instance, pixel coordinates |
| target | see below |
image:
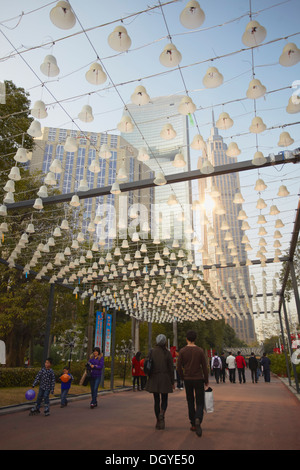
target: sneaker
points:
(193, 428)
(198, 427)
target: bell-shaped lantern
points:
(213, 78)
(94, 166)
(62, 15)
(224, 122)
(70, 144)
(186, 106)
(258, 159)
(86, 114)
(285, 140)
(14, 174)
(9, 198)
(49, 67)
(50, 179)
(254, 34)
(119, 39)
(125, 125)
(21, 155)
(115, 189)
(192, 16)
(42, 192)
(233, 150)
(198, 142)
(55, 166)
(105, 152)
(83, 185)
(140, 96)
(293, 106)
(170, 56)
(168, 132)
(206, 167)
(35, 129)
(257, 125)
(160, 180)
(290, 55)
(39, 110)
(179, 161)
(75, 201)
(143, 155)
(255, 89)
(10, 186)
(38, 204)
(95, 75)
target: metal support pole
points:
(295, 287)
(90, 331)
(113, 344)
(290, 345)
(175, 336)
(48, 324)
(284, 349)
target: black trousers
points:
(194, 390)
(241, 372)
(160, 403)
(232, 375)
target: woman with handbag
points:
(161, 379)
(95, 366)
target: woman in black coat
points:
(161, 380)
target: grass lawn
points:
(16, 395)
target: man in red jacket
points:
(240, 364)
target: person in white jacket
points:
(216, 366)
(231, 364)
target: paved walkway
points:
(263, 416)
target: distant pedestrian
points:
(161, 380)
(192, 369)
(136, 371)
(46, 378)
(65, 386)
(143, 376)
(231, 364)
(223, 369)
(216, 366)
(241, 364)
(96, 365)
(253, 365)
(265, 363)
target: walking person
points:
(223, 369)
(65, 386)
(46, 378)
(95, 364)
(136, 370)
(192, 369)
(265, 363)
(253, 365)
(142, 373)
(216, 366)
(241, 364)
(231, 364)
(161, 379)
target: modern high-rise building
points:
(149, 121)
(223, 237)
(75, 168)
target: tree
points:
(14, 123)
(289, 285)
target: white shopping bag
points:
(209, 400)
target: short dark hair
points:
(191, 335)
(49, 359)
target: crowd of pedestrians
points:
(232, 364)
(188, 368)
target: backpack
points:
(148, 364)
(216, 362)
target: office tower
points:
(149, 120)
(75, 167)
(223, 237)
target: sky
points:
(28, 35)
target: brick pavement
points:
(263, 416)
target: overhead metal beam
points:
(170, 179)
